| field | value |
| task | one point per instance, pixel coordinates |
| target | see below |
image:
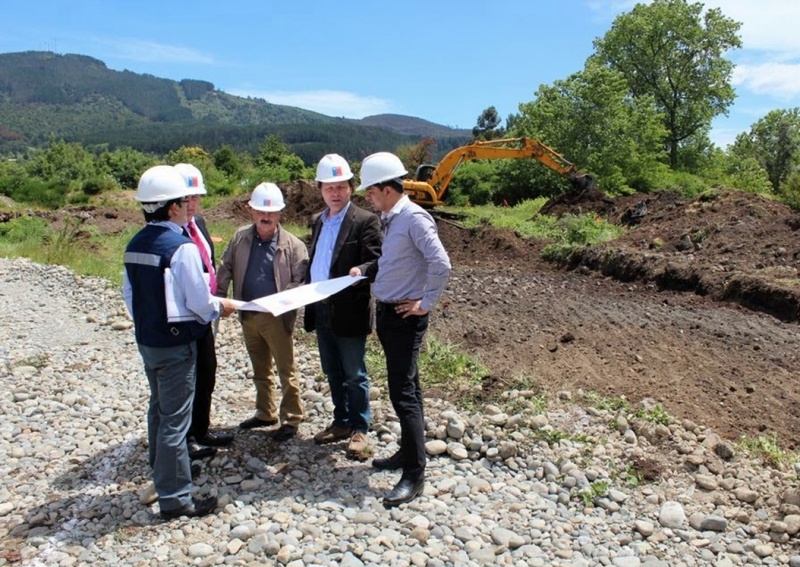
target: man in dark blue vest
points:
(171, 305)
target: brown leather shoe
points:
(359, 448)
(334, 432)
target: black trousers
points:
(401, 340)
(206, 381)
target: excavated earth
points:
(696, 306)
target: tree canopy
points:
(593, 122)
(774, 142)
(674, 51)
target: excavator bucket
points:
(582, 182)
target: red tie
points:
(195, 234)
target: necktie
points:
(194, 234)
(386, 220)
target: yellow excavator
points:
(431, 181)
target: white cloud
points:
(723, 137)
(779, 80)
(138, 50)
(332, 103)
(768, 25)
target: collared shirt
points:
(259, 278)
(326, 241)
(187, 271)
(413, 262)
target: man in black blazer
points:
(343, 236)
(201, 441)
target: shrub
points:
(97, 185)
(790, 191)
(24, 229)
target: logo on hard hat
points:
(267, 203)
(336, 170)
(193, 181)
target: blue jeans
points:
(343, 363)
(171, 374)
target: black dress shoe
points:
(256, 422)
(390, 463)
(284, 432)
(195, 509)
(218, 439)
(404, 491)
(197, 451)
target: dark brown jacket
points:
(357, 245)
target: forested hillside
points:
(45, 95)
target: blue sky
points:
(442, 61)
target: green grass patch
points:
(83, 249)
(598, 489)
(617, 403)
(656, 414)
(567, 233)
(441, 365)
(766, 448)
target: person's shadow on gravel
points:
(99, 493)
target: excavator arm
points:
(431, 182)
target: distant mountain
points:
(413, 126)
(78, 98)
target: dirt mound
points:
(730, 245)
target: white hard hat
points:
(158, 185)
(193, 178)
(380, 167)
(267, 198)
(333, 167)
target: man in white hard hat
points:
(411, 275)
(261, 259)
(343, 236)
(171, 305)
(201, 440)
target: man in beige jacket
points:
(262, 259)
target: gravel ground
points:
(73, 463)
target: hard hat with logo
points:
(193, 178)
(158, 185)
(332, 168)
(380, 167)
(267, 198)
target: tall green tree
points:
(674, 51)
(592, 121)
(488, 125)
(276, 162)
(226, 160)
(774, 142)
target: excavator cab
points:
(424, 172)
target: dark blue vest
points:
(147, 256)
